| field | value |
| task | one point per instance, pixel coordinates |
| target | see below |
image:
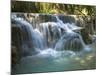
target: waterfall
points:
(54, 35)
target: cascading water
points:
(70, 40)
(55, 35)
(29, 41)
(50, 40)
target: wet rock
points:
(85, 35)
(14, 55)
(67, 19)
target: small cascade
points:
(38, 39)
(31, 40)
(70, 40)
(51, 32)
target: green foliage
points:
(52, 8)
